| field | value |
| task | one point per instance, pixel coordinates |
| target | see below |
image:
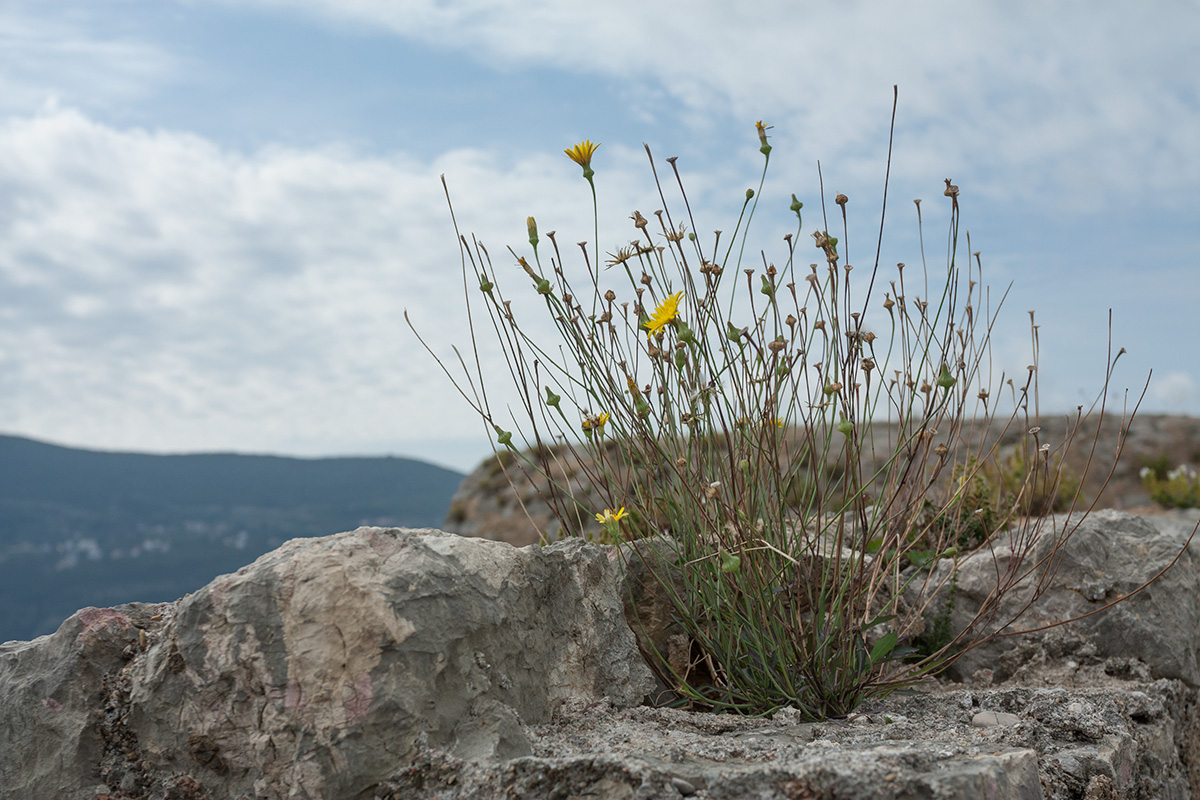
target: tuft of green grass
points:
(802, 431)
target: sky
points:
(214, 213)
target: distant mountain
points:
(81, 527)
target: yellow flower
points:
(595, 423)
(765, 149)
(581, 153)
(611, 516)
(667, 310)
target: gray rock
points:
(54, 700)
(385, 663)
(318, 669)
(1109, 555)
(1069, 742)
(986, 719)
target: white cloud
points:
(163, 293)
(51, 54)
(160, 292)
(1172, 392)
(1068, 103)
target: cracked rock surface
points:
(389, 663)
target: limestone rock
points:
(1109, 555)
(319, 669)
(388, 663)
(1065, 743)
(55, 726)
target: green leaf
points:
(883, 647)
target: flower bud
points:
(945, 379)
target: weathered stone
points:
(323, 666)
(420, 665)
(985, 719)
(54, 694)
(1109, 555)
(917, 746)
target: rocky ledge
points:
(389, 663)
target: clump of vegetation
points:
(1175, 488)
(724, 398)
(1037, 482)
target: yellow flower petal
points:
(581, 153)
(667, 310)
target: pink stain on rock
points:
(293, 696)
(96, 621)
(358, 704)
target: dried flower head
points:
(620, 257)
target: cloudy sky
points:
(214, 212)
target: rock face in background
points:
(388, 663)
(487, 506)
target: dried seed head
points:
(868, 364)
(869, 337)
(941, 450)
(681, 462)
(638, 220)
(646, 279)
(819, 325)
(951, 189)
(791, 321)
(776, 346)
(841, 199)
(610, 295)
